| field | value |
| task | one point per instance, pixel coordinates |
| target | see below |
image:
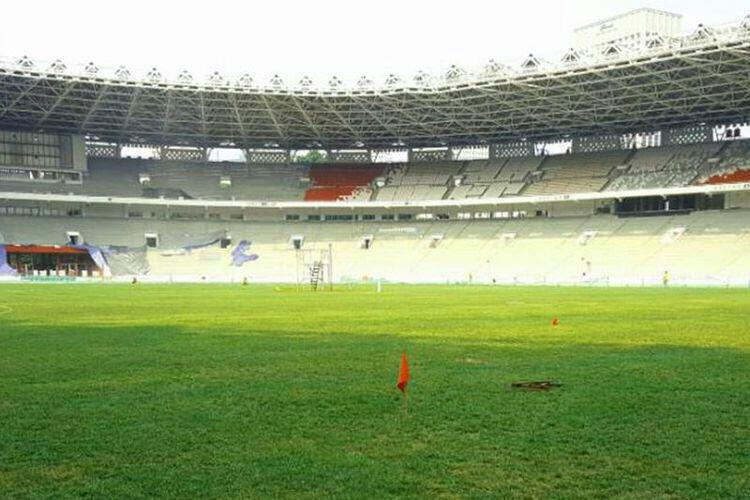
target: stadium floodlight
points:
(531, 63)
(245, 81)
(306, 82)
(154, 76)
(702, 33)
(655, 42)
(91, 69)
(25, 62)
(334, 82)
(58, 66)
(572, 56)
(122, 73)
(185, 77)
(494, 69)
(392, 80)
(277, 82)
(422, 78)
(454, 73)
(216, 79)
(612, 50)
(364, 81)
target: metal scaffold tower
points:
(314, 267)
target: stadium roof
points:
(700, 78)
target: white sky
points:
(317, 38)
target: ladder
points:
(316, 274)
(314, 265)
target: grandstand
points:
(619, 170)
(468, 178)
(602, 249)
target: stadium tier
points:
(591, 250)
(623, 170)
(623, 216)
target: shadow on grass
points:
(179, 411)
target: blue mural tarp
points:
(239, 255)
(5, 269)
(98, 257)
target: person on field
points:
(665, 278)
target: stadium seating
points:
(494, 178)
(733, 165)
(669, 166)
(482, 171)
(579, 173)
(341, 182)
(418, 181)
(657, 167)
(726, 178)
(468, 191)
(595, 249)
(518, 169)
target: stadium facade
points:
(653, 175)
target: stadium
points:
(560, 250)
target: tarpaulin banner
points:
(239, 257)
(5, 269)
(127, 261)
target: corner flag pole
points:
(406, 404)
(403, 379)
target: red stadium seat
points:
(335, 182)
(736, 176)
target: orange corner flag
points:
(403, 373)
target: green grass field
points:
(120, 391)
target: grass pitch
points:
(235, 392)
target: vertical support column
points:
(330, 267)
